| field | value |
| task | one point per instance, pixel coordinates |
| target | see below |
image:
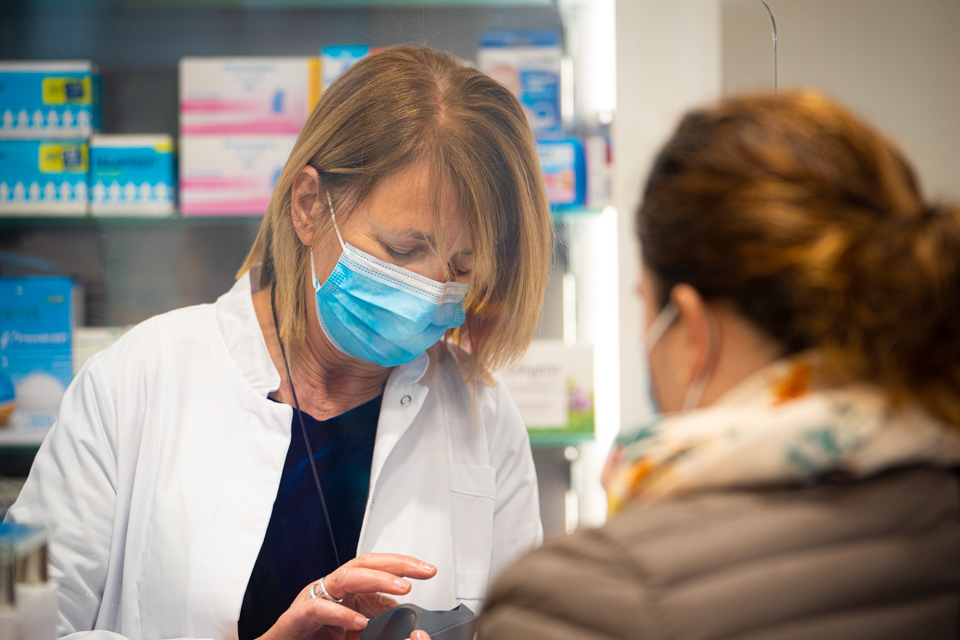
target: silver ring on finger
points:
(319, 590)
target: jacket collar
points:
(245, 343)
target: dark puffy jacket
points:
(877, 559)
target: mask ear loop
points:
(699, 385)
(667, 316)
(343, 246)
(333, 216)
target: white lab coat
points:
(160, 475)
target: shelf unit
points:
(133, 267)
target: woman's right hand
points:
(362, 584)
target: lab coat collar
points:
(403, 395)
(244, 340)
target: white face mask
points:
(664, 320)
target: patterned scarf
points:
(777, 427)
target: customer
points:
(805, 351)
(270, 464)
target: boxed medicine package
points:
(36, 327)
(552, 386)
(230, 96)
(131, 175)
(43, 177)
(528, 63)
(49, 99)
(230, 175)
(335, 59)
(564, 171)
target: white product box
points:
(552, 387)
(89, 341)
(49, 99)
(230, 175)
(43, 177)
(229, 96)
(131, 175)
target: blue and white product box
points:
(564, 172)
(49, 99)
(36, 328)
(528, 63)
(336, 59)
(43, 177)
(132, 175)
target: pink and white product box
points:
(227, 96)
(230, 175)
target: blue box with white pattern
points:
(49, 99)
(132, 175)
(44, 177)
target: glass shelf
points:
(17, 220)
(560, 439)
(126, 220)
(92, 5)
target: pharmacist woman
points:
(327, 438)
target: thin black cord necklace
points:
(303, 428)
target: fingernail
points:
(401, 583)
(360, 622)
(427, 567)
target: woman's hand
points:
(419, 635)
(361, 583)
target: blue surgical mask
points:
(664, 320)
(381, 313)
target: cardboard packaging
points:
(599, 172)
(257, 96)
(564, 172)
(230, 175)
(43, 177)
(528, 63)
(49, 99)
(552, 387)
(36, 329)
(336, 59)
(132, 175)
(89, 341)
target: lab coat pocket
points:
(472, 492)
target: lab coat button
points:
(405, 400)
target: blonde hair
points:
(409, 105)
(811, 223)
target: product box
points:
(43, 177)
(131, 175)
(552, 387)
(334, 60)
(564, 172)
(89, 341)
(36, 327)
(599, 171)
(528, 63)
(49, 99)
(230, 175)
(229, 96)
